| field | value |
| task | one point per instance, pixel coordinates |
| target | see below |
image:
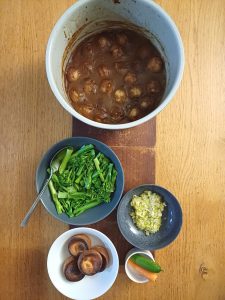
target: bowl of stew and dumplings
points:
(114, 65)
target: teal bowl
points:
(92, 215)
(171, 220)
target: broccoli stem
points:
(58, 205)
(80, 170)
(88, 179)
(114, 175)
(62, 195)
(78, 195)
(65, 160)
(86, 207)
(79, 179)
(97, 165)
(83, 149)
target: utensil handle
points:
(30, 211)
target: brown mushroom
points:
(103, 42)
(71, 270)
(72, 74)
(155, 64)
(105, 256)
(79, 243)
(90, 262)
(90, 87)
(121, 39)
(120, 95)
(135, 92)
(101, 115)
(134, 114)
(87, 110)
(106, 86)
(130, 78)
(146, 103)
(116, 51)
(84, 237)
(117, 113)
(153, 87)
(104, 71)
(75, 96)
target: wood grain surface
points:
(190, 155)
(135, 149)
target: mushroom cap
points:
(105, 256)
(134, 113)
(154, 87)
(130, 78)
(106, 86)
(155, 64)
(120, 95)
(116, 51)
(103, 42)
(121, 38)
(79, 243)
(117, 113)
(135, 92)
(84, 237)
(72, 74)
(147, 102)
(90, 262)
(71, 270)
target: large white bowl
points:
(87, 16)
(90, 287)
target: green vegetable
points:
(83, 149)
(87, 206)
(146, 263)
(84, 180)
(58, 205)
(97, 165)
(65, 160)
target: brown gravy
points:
(115, 76)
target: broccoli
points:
(65, 160)
(84, 180)
(58, 205)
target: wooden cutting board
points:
(135, 149)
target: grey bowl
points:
(171, 220)
(95, 214)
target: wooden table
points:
(189, 149)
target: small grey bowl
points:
(171, 220)
(94, 214)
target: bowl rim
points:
(72, 111)
(90, 231)
(91, 140)
(164, 244)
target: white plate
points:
(90, 287)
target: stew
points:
(115, 76)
